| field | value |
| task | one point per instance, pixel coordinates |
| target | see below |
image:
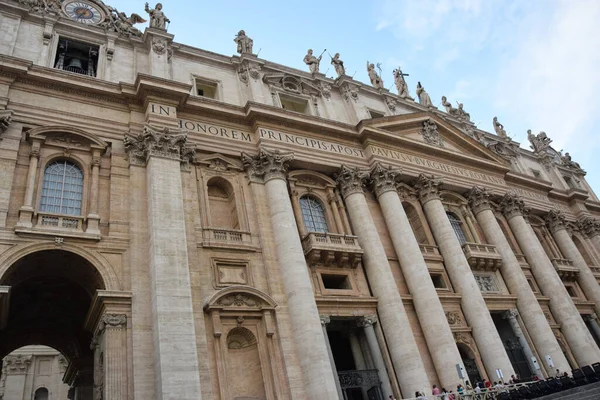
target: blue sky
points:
(531, 63)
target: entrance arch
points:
(52, 291)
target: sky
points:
(533, 64)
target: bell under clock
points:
(83, 12)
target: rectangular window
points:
(78, 57)
(438, 281)
(294, 104)
(571, 291)
(339, 282)
(205, 88)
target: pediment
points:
(292, 84)
(435, 134)
(218, 162)
(67, 137)
(242, 298)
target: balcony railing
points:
(60, 221)
(565, 268)
(356, 379)
(482, 256)
(429, 250)
(225, 236)
(331, 248)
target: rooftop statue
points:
(338, 65)
(50, 6)
(462, 114)
(244, 43)
(499, 128)
(539, 142)
(401, 84)
(120, 23)
(424, 98)
(312, 61)
(448, 106)
(568, 162)
(158, 19)
(376, 80)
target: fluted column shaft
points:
(324, 321)
(367, 324)
(580, 341)
(269, 167)
(586, 278)
(511, 317)
(437, 332)
(26, 210)
(407, 361)
(531, 312)
(476, 312)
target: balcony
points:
(430, 252)
(359, 379)
(226, 238)
(332, 249)
(565, 268)
(595, 270)
(482, 257)
(59, 225)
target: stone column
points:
(531, 313)
(175, 353)
(334, 208)
(406, 359)
(586, 279)
(430, 312)
(591, 227)
(26, 210)
(511, 317)
(367, 324)
(93, 217)
(297, 211)
(270, 167)
(593, 321)
(110, 357)
(324, 321)
(572, 326)
(473, 305)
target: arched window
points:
(62, 190)
(222, 205)
(41, 394)
(313, 214)
(457, 226)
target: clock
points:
(83, 12)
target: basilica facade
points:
(180, 224)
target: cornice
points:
(527, 181)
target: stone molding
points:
(384, 179)
(351, 180)
(429, 188)
(366, 320)
(589, 226)
(512, 206)
(555, 220)
(166, 143)
(479, 199)
(267, 165)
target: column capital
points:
(159, 142)
(325, 319)
(366, 320)
(351, 180)
(512, 206)
(479, 199)
(428, 187)
(267, 164)
(589, 226)
(510, 314)
(5, 120)
(555, 220)
(384, 179)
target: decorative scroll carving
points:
(248, 70)
(237, 300)
(430, 133)
(5, 120)
(428, 187)
(479, 199)
(506, 150)
(589, 226)
(512, 205)
(555, 220)
(454, 318)
(326, 89)
(350, 92)
(45, 6)
(351, 180)
(167, 143)
(159, 46)
(267, 164)
(17, 364)
(384, 179)
(325, 319)
(366, 320)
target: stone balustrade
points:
(482, 256)
(332, 249)
(216, 237)
(565, 268)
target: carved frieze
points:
(479, 199)
(555, 220)
(165, 142)
(384, 179)
(512, 205)
(430, 133)
(351, 180)
(267, 164)
(429, 188)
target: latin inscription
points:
(214, 130)
(315, 144)
(423, 162)
(159, 109)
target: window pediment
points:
(241, 297)
(292, 84)
(67, 137)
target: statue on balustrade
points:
(540, 142)
(499, 128)
(158, 19)
(376, 80)
(244, 43)
(401, 84)
(312, 61)
(424, 98)
(338, 65)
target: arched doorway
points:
(470, 364)
(51, 292)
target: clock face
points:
(83, 12)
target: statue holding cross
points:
(401, 84)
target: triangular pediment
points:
(219, 162)
(435, 135)
(291, 83)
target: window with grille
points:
(62, 190)
(313, 215)
(457, 226)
